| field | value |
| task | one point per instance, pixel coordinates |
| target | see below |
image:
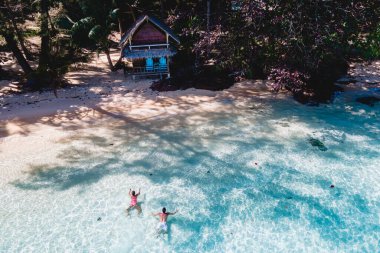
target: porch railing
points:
(156, 69)
(150, 46)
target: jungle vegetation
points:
(302, 46)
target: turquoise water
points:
(244, 178)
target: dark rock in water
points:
(312, 103)
(317, 143)
(370, 101)
(346, 81)
(208, 171)
(332, 186)
(150, 174)
(99, 219)
(111, 144)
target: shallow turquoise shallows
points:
(266, 175)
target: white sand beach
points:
(97, 97)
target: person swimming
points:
(162, 226)
(133, 204)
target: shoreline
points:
(115, 93)
(139, 103)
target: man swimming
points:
(162, 227)
(133, 204)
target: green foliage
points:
(62, 22)
(115, 14)
(97, 9)
(31, 32)
(370, 45)
(80, 30)
(311, 37)
(97, 33)
(93, 30)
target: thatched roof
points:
(135, 26)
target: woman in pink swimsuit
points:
(133, 204)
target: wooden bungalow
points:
(147, 47)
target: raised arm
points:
(138, 193)
(176, 211)
(130, 192)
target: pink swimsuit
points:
(133, 200)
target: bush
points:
(292, 80)
(369, 47)
(40, 80)
(206, 78)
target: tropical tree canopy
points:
(302, 46)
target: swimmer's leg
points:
(138, 208)
(165, 229)
(158, 230)
(129, 209)
(162, 229)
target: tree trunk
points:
(12, 44)
(45, 47)
(208, 15)
(122, 17)
(21, 40)
(121, 27)
(132, 13)
(51, 23)
(107, 52)
(3, 74)
(123, 7)
(19, 34)
(208, 27)
(162, 10)
(118, 65)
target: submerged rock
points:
(346, 81)
(370, 101)
(317, 143)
